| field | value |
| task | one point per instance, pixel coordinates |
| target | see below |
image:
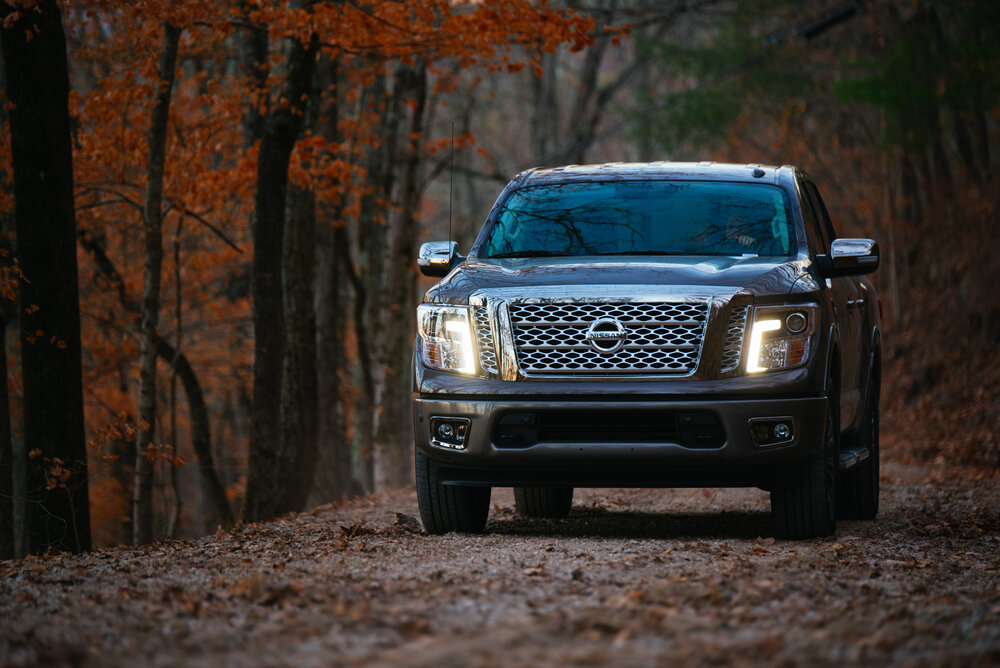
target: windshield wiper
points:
(531, 253)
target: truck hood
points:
(686, 275)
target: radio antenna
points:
(451, 180)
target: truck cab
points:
(650, 325)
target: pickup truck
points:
(650, 325)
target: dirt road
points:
(632, 577)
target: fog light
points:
(768, 432)
(450, 432)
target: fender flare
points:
(832, 343)
(874, 352)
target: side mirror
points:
(436, 258)
(849, 257)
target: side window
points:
(826, 227)
(816, 241)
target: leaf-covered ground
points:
(632, 577)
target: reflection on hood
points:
(723, 274)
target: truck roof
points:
(612, 171)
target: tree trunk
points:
(299, 415)
(8, 313)
(371, 230)
(979, 126)
(201, 435)
(585, 112)
(253, 44)
(142, 499)
(393, 437)
(333, 470)
(545, 115)
(379, 342)
(270, 471)
(335, 480)
(34, 49)
(6, 453)
(365, 284)
(975, 109)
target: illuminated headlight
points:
(446, 334)
(780, 337)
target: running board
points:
(852, 457)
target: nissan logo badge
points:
(606, 335)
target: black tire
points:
(807, 506)
(552, 502)
(859, 484)
(445, 508)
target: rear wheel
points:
(807, 506)
(859, 484)
(543, 501)
(445, 508)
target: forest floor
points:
(632, 577)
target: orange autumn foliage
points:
(210, 176)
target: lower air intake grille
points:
(690, 429)
(633, 426)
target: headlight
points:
(446, 333)
(780, 337)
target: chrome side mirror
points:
(849, 257)
(436, 258)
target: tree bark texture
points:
(270, 470)
(382, 339)
(368, 294)
(546, 111)
(6, 453)
(334, 480)
(142, 495)
(393, 437)
(8, 314)
(34, 50)
(299, 416)
(333, 471)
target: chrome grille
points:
(661, 338)
(733, 348)
(484, 338)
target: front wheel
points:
(806, 507)
(445, 508)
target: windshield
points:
(643, 218)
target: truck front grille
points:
(659, 338)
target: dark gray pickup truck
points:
(650, 325)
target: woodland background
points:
(249, 182)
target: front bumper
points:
(733, 459)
